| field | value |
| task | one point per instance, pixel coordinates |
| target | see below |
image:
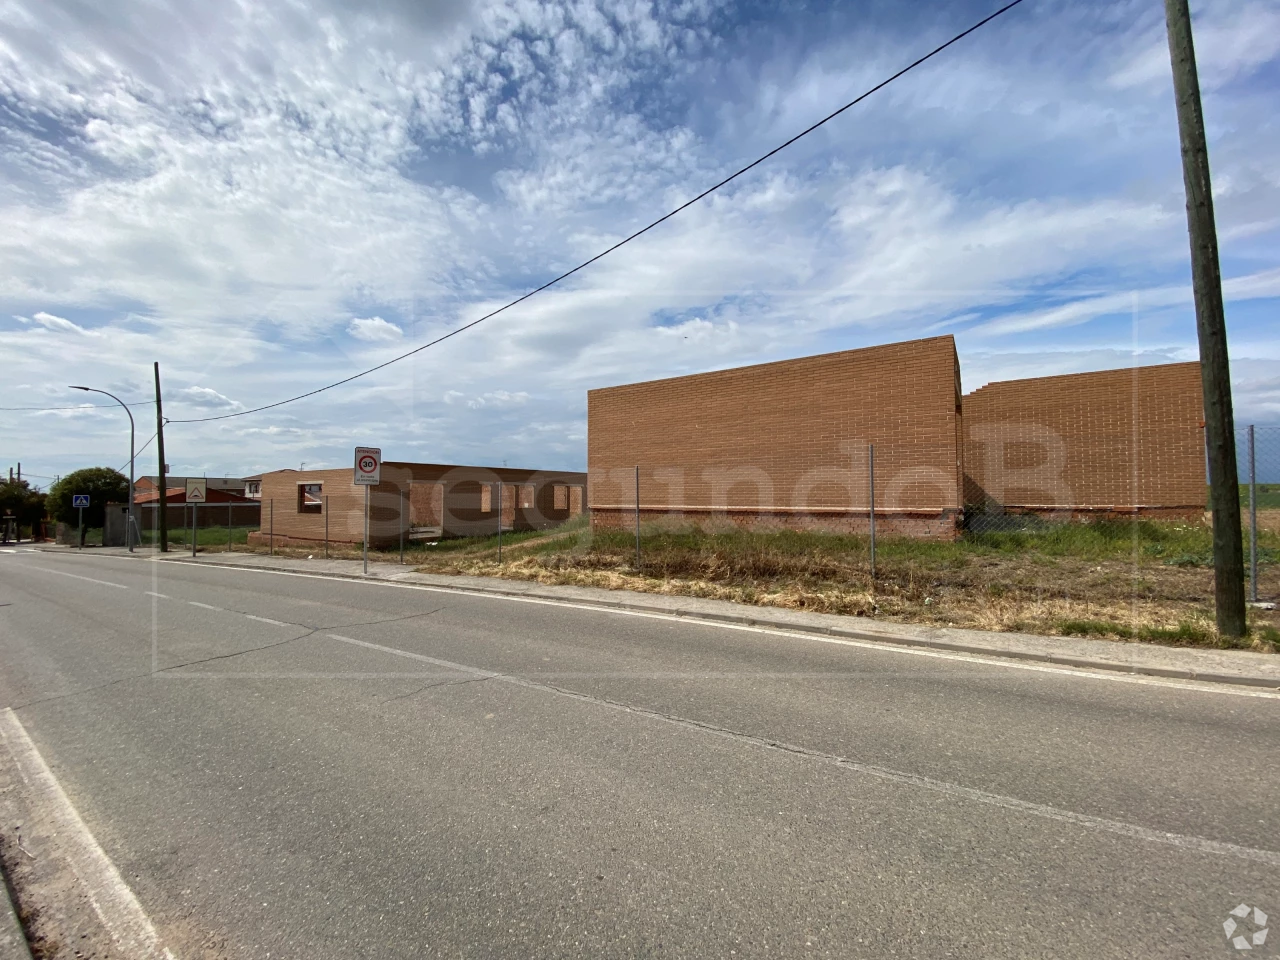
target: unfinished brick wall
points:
(1117, 442)
(411, 495)
(785, 444)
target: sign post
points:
(80, 501)
(368, 473)
(197, 493)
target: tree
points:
(19, 500)
(103, 485)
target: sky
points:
(266, 198)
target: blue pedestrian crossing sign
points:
(79, 500)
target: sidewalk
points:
(1241, 667)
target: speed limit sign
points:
(368, 465)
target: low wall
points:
(922, 525)
(1078, 514)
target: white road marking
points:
(152, 593)
(111, 898)
(278, 623)
(205, 606)
(61, 573)
(881, 646)
(7, 550)
(1196, 844)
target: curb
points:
(13, 942)
(763, 620)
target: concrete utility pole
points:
(1219, 420)
(164, 483)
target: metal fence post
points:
(499, 521)
(228, 528)
(1253, 519)
(871, 511)
(271, 527)
(637, 517)
(194, 520)
(326, 527)
(402, 493)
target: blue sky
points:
(266, 198)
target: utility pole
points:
(1211, 326)
(164, 482)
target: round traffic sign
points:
(368, 464)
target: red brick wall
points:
(412, 484)
(1118, 441)
(785, 444)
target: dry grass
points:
(1144, 581)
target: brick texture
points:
(1117, 442)
(785, 444)
(412, 496)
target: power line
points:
(137, 453)
(604, 253)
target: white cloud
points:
(207, 397)
(374, 329)
(58, 324)
(1231, 40)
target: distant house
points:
(150, 484)
(253, 487)
(421, 501)
(221, 508)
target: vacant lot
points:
(1144, 580)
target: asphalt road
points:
(318, 768)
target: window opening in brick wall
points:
(560, 496)
(486, 497)
(526, 495)
(311, 498)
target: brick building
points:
(424, 501)
(1113, 443)
(785, 444)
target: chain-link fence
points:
(1258, 457)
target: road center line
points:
(1133, 831)
(203, 606)
(111, 898)
(61, 573)
(152, 593)
(278, 623)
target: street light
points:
(128, 533)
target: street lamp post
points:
(128, 533)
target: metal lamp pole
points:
(128, 533)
